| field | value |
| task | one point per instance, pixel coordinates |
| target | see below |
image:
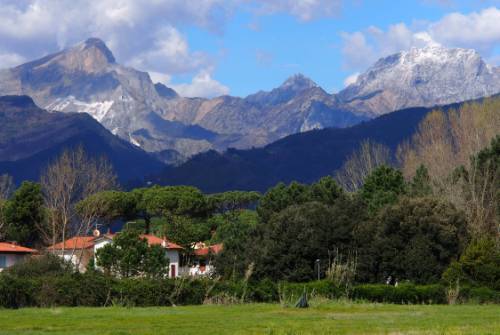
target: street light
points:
(317, 264)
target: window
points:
(3, 261)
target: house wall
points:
(98, 245)
(11, 259)
(79, 258)
(173, 256)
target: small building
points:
(11, 253)
(202, 264)
(78, 250)
(172, 250)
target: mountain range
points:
(297, 131)
(87, 78)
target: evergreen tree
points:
(420, 186)
(24, 214)
(382, 187)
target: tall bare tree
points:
(447, 140)
(6, 189)
(6, 186)
(69, 179)
(361, 163)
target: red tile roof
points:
(213, 249)
(11, 247)
(154, 240)
(85, 242)
(77, 242)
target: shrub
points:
(16, 292)
(403, 294)
(96, 289)
(479, 265)
(45, 265)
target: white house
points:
(78, 250)
(202, 265)
(172, 250)
(81, 249)
(11, 253)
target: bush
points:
(323, 288)
(479, 265)
(45, 265)
(97, 289)
(480, 295)
(403, 294)
(17, 292)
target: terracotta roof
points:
(213, 249)
(84, 242)
(154, 240)
(77, 242)
(11, 247)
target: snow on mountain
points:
(421, 77)
(87, 79)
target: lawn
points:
(321, 318)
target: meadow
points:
(323, 317)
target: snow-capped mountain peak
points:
(298, 82)
(428, 76)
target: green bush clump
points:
(323, 288)
(97, 289)
(402, 294)
(480, 295)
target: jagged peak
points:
(99, 45)
(298, 82)
(432, 53)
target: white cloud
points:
(170, 52)
(10, 59)
(477, 30)
(133, 29)
(351, 79)
(202, 85)
(304, 10)
(158, 77)
(145, 34)
(480, 30)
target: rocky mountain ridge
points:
(423, 77)
(87, 78)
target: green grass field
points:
(321, 318)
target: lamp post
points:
(317, 264)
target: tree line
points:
(428, 213)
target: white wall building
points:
(79, 250)
(11, 253)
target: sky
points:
(215, 47)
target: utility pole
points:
(317, 264)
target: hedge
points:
(402, 294)
(96, 289)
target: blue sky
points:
(283, 45)
(237, 47)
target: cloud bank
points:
(476, 30)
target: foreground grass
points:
(321, 318)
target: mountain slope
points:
(86, 78)
(303, 157)
(421, 77)
(31, 137)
